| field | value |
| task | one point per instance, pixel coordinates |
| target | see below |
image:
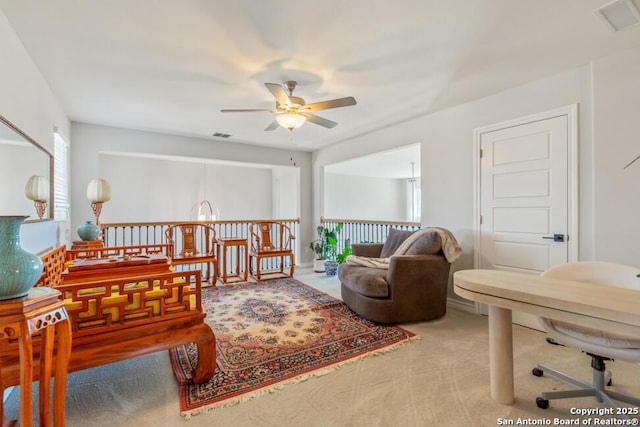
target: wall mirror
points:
(20, 158)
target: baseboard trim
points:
(461, 305)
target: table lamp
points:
(98, 192)
(37, 189)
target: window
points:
(60, 178)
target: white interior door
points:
(525, 198)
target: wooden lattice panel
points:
(53, 267)
(120, 303)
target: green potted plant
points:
(317, 246)
(331, 265)
(325, 249)
(342, 257)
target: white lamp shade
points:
(206, 212)
(291, 121)
(37, 188)
(99, 190)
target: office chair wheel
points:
(542, 403)
(538, 373)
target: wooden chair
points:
(194, 243)
(270, 239)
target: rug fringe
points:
(297, 379)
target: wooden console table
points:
(41, 311)
(87, 248)
(592, 305)
(88, 269)
(241, 246)
(87, 244)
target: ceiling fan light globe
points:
(290, 121)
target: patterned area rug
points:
(273, 333)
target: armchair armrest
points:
(418, 286)
(371, 250)
(409, 270)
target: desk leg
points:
(501, 355)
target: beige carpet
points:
(440, 380)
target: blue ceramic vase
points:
(331, 267)
(88, 231)
(19, 269)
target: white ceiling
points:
(170, 66)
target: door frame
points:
(571, 111)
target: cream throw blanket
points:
(450, 248)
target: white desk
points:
(603, 307)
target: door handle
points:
(555, 237)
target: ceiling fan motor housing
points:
(296, 102)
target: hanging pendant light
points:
(207, 211)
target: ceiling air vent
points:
(620, 14)
(221, 135)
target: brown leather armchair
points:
(413, 288)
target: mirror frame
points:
(17, 130)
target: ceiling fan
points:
(293, 111)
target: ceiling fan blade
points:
(319, 120)
(279, 93)
(247, 110)
(334, 103)
(273, 126)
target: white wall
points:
(360, 197)
(447, 158)
(27, 101)
(616, 127)
(92, 142)
(162, 189)
(286, 181)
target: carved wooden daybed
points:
(117, 319)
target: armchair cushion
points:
(425, 244)
(371, 282)
(371, 250)
(394, 240)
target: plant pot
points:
(331, 267)
(88, 231)
(318, 265)
(19, 269)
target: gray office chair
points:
(601, 345)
